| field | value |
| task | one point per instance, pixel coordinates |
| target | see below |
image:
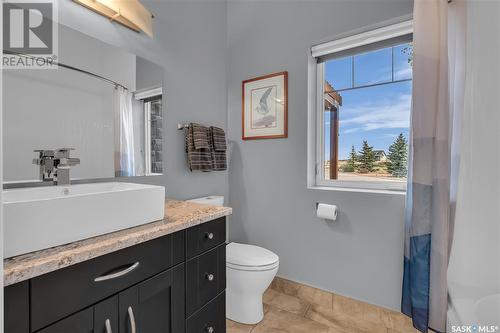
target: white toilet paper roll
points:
(327, 212)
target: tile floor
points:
(290, 307)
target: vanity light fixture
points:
(130, 13)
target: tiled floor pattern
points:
(295, 308)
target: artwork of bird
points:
(263, 108)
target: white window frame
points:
(147, 137)
(316, 176)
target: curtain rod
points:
(116, 84)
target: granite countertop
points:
(179, 215)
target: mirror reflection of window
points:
(140, 139)
(153, 135)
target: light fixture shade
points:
(130, 13)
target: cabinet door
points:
(80, 322)
(101, 318)
(155, 305)
(106, 316)
(17, 308)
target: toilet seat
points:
(252, 268)
(247, 257)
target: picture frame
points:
(265, 107)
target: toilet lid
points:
(249, 255)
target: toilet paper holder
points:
(330, 213)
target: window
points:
(363, 109)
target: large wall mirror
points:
(103, 101)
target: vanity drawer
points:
(205, 236)
(205, 278)
(211, 318)
(60, 293)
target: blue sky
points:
(378, 113)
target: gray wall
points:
(190, 43)
(148, 75)
(361, 254)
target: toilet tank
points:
(214, 200)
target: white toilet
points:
(250, 270)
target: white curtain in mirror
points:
(125, 116)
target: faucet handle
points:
(45, 157)
(44, 152)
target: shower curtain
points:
(126, 152)
(437, 107)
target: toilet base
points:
(245, 309)
(244, 293)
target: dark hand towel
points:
(200, 136)
(219, 147)
(218, 138)
(197, 159)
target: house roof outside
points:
(331, 96)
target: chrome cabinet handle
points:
(117, 274)
(131, 318)
(107, 323)
(210, 329)
(210, 235)
(210, 277)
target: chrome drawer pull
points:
(107, 323)
(117, 274)
(210, 277)
(131, 318)
(210, 329)
(210, 235)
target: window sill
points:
(360, 190)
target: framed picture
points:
(265, 107)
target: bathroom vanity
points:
(165, 276)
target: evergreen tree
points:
(353, 158)
(397, 159)
(366, 158)
(352, 161)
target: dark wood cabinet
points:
(17, 308)
(205, 278)
(147, 288)
(78, 286)
(211, 318)
(155, 305)
(205, 236)
(106, 316)
(100, 318)
(80, 322)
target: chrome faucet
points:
(55, 165)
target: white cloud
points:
(381, 114)
(403, 73)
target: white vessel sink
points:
(42, 217)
